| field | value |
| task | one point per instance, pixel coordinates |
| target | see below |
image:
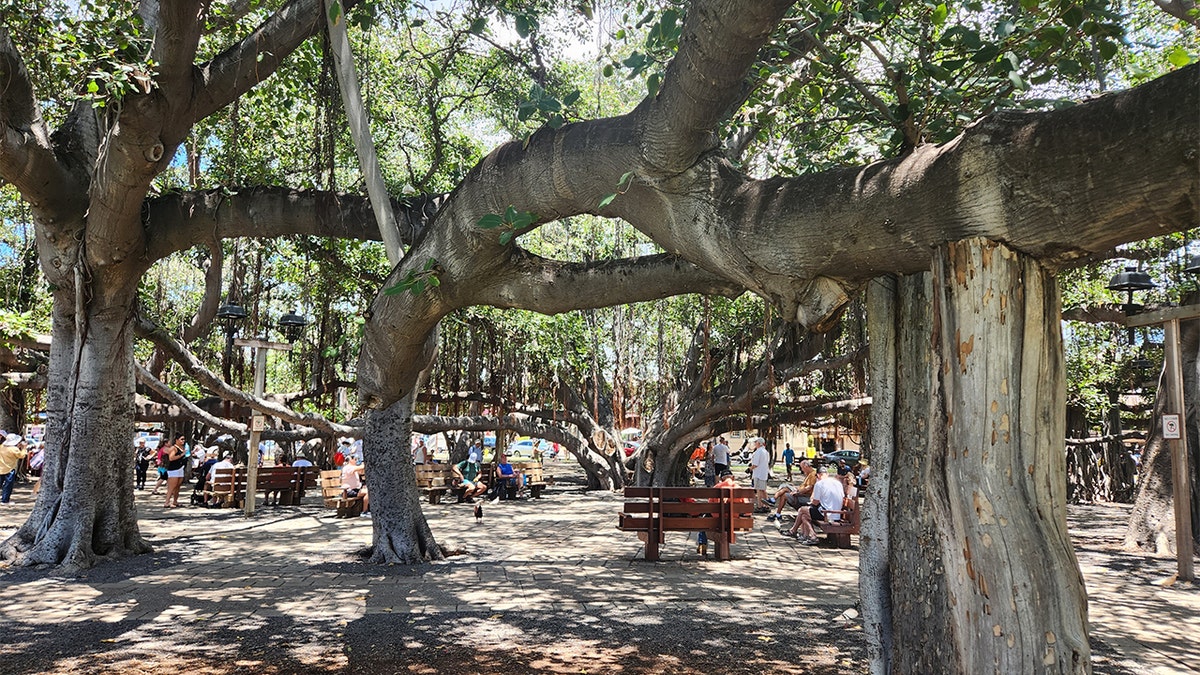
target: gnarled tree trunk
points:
(400, 531)
(85, 507)
(979, 551)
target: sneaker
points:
(772, 517)
(809, 541)
(365, 514)
(771, 500)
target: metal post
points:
(260, 386)
(1179, 457)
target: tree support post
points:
(1184, 548)
(260, 386)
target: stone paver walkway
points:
(559, 557)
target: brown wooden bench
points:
(332, 493)
(227, 488)
(535, 477)
(434, 480)
(839, 531)
(719, 512)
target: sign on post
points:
(1171, 427)
(258, 423)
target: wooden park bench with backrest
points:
(227, 488)
(839, 531)
(288, 483)
(434, 480)
(719, 512)
(535, 477)
(332, 493)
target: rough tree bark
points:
(978, 503)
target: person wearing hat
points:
(11, 454)
(828, 495)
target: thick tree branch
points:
(705, 80)
(237, 69)
(177, 34)
(27, 157)
(185, 219)
(552, 287)
(192, 366)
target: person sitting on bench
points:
(795, 496)
(467, 472)
(352, 483)
(828, 495)
(506, 477)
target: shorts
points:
(760, 483)
(177, 473)
(796, 500)
(162, 472)
(352, 492)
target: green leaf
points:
(510, 214)
(623, 183)
(523, 25)
(1179, 57)
(1015, 78)
(479, 25)
(490, 221)
(1073, 17)
(939, 14)
(652, 83)
(571, 97)
(608, 199)
(92, 87)
(506, 237)
(608, 70)
(335, 12)
(523, 219)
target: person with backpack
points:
(141, 464)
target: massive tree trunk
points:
(1152, 521)
(85, 507)
(400, 533)
(979, 551)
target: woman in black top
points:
(176, 459)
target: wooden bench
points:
(839, 531)
(331, 492)
(434, 480)
(719, 512)
(535, 478)
(227, 488)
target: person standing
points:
(759, 471)
(141, 464)
(789, 458)
(160, 464)
(176, 460)
(420, 453)
(11, 454)
(721, 456)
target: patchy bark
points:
(400, 533)
(85, 510)
(978, 507)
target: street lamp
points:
(231, 314)
(292, 325)
(1129, 281)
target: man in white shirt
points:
(759, 471)
(225, 463)
(828, 494)
(420, 453)
(721, 456)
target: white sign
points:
(1170, 426)
(258, 423)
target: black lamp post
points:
(232, 314)
(292, 325)
(1129, 281)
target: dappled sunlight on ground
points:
(543, 586)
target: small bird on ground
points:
(479, 513)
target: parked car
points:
(524, 447)
(851, 456)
